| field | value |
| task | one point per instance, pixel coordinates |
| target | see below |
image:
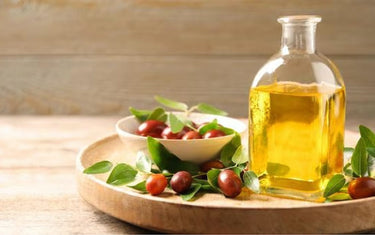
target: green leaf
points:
(140, 115)
(209, 126)
(143, 163)
(345, 188)
(348, 170)
(339, 197)
(200, 181)
(242, 166)
(370, 165)
(122, 174)
(236, 140)
(226, 155)
(158, 114)
(226, 130)
(166, 173)
(205, 185)
(212, 176)
(175, 123)
(334, 185)
(371, 151)
(240, 155)
(251, 181)
(206, 108)
(165, 160)
(187, 196)
(237, 170)
(277, 169)
(229, 149)
(141, 186)
(359, 158)
(184, 119)
(99, 168)
(367, 135)
(209, 188)
(171, 103)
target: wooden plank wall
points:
(97, 57)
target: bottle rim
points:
(299, 19)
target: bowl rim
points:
(125, 133)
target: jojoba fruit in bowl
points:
(159, 129)
(181, 181)
(189, 148)
(213, 134)
(362, 187)
(192, 135)
(229, 183)
(152, 128)
(168, 134)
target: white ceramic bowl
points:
(195, 150)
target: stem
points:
(187, 113)
(195, 176)
(191, 110)
(229, 167)
(191, 127)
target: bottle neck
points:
(298, 38)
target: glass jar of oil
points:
(297, 115)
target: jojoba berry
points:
(205, 167)
(192, 135)
(362, 187)
(181, 181)
(156, 183)
(229, 183)
(213, 134)
(168, 134)
(152, 128)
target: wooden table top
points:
(38, 192)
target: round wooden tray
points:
(213, 213)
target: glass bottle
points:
(297, 115)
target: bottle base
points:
(294, 189)
(291, 194)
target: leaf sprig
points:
(362, 162)
(176, 121)
(99, 168)
(163, 161)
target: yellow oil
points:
(296, 137)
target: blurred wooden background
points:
(97, 57)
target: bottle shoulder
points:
(300, 68)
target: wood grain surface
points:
(105, 85)
(171, 27)
(38, 192)
(97, 57)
